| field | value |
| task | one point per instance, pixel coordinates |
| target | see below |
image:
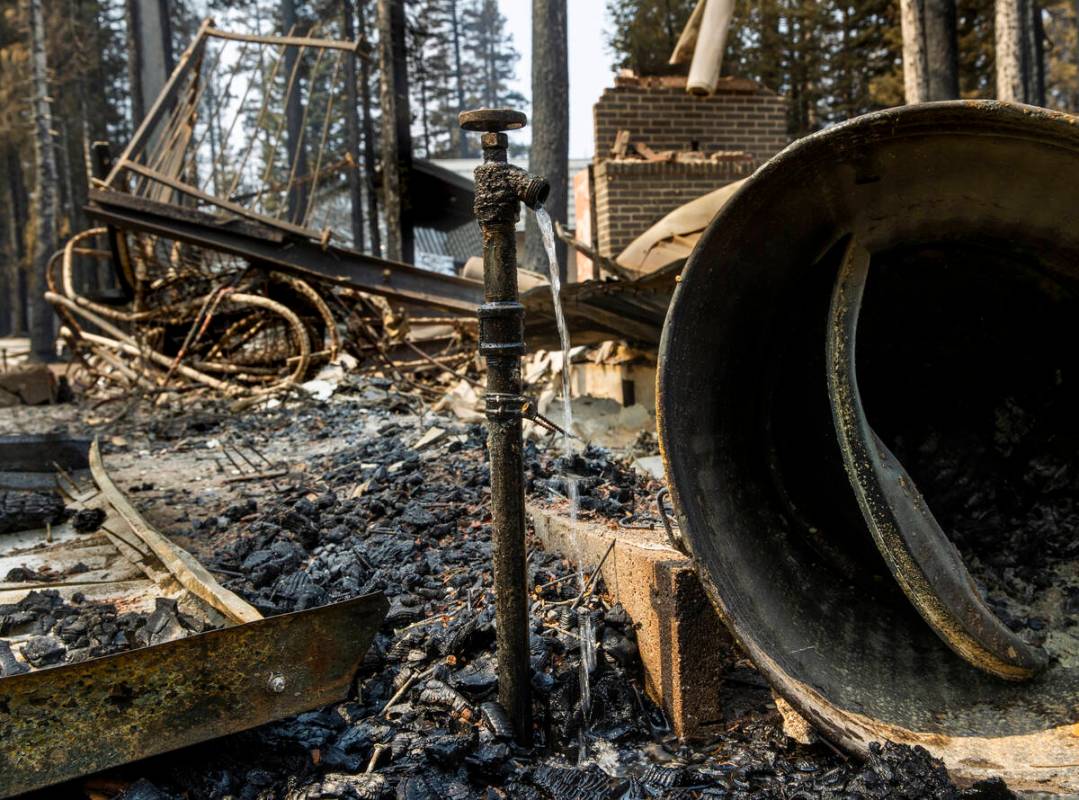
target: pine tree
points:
(44, 237)
(396, 136)
(352, 123)
(830, 59)
(644, 32)
(446, 79)
(366, 26)
(14, 158)
(1062, 76)
(549, 155)
(492, 59)
(976, 49)
(297, 142)
(429, 66)
(454, 23)
(1008, 26)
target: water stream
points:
(584, 627)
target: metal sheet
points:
(59, 723)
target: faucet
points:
(500, 189)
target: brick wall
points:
(632, 195)
(741, 115)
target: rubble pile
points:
(607, 487)
(391, 514)
(1006, 496)
(51, 631)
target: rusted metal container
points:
(808, 474)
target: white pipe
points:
(711, 43)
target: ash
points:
(373, 512)
(49, 631)
(1006, 495)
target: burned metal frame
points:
(163, 107)
(181, 244)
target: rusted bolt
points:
(277, 683)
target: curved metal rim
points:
(899, 520)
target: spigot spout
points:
(532, 190)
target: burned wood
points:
(27, 510)
(608, 264)
(189, 572)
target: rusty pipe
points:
(500, 189)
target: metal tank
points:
(869, 359)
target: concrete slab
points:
(684, 646)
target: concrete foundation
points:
(684, 646)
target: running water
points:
(584, 627)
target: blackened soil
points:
(373, 513)
(1009, 500)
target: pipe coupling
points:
(502, 187)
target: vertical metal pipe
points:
(500, 189)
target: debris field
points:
(381, 496)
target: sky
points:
(590, 69)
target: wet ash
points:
(423, 721)
(608, 487)
(1009, 500)
(42, 630)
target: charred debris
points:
(383, 513)
(304, 587)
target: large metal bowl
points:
(748, 438)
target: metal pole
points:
(500, 188)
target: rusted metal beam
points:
(143, 205)
(59, 723)
(299, 257)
